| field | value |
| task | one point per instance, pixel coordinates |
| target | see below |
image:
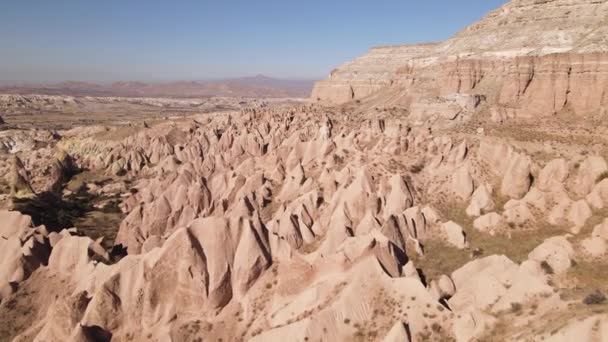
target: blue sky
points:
(109, 40)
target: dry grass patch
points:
(515, 243)
(440, 258)
(586, 277)
(79, 180)
(118, 133)
(96, 224)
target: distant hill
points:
(257, 86)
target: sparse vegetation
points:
(589, 275)
(601, 177)
(416, 168)
(546, 267)
(595, 298)
(442, 258)
(516, 308)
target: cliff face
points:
(528, 57)
(525, 85)
(367, 74)
(534, 27)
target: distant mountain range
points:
(257, 86)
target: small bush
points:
(546, 267)
(477, 252)
(516, 307)
(601, 177)
(595, 298)
(417, 168)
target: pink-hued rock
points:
(481, 201)
(488, 222)
(557, 252)
(398, 333)
(598, 198)
(23, 249)
(528, 67)
(454, 234)
(517, 179)
(553, 175)
(594, 246)
(462, 183)
(579, 213)
(588, 172)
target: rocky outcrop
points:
(60, 171)
(481, 201)
(455, 234)
(19, 180)
(366, 74)
(522, 86)
(517, 179)
(532, 27)
(553, 175)
(527, 59)
(23, 248)
(596, 245)
(299, 223)
(556, 252)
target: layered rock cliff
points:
(368, 73)
(527, 58)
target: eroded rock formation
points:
(266, 216)
(314, 223)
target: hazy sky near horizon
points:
(50, 41)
